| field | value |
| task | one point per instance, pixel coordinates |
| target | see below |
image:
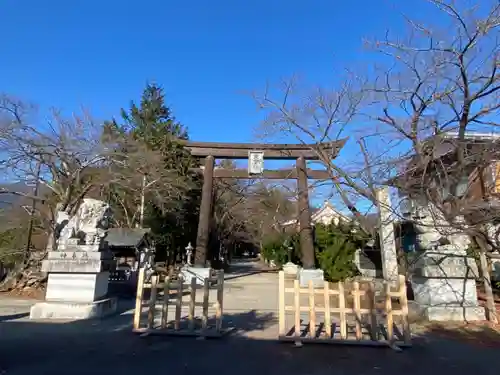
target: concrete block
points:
(77, 287)
(444, 292)
(453, 313)
(290, 269)
(200, 274)
(315, 275)
(73, 310)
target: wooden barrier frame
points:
(390, 335)
(178, 327)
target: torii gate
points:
(300, 152)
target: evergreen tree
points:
(152, 124)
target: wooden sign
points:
(255, 162)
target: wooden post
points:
(357, 307)
(178, 304)
(312, 311)
(206, 294)
(403, 300)
(166, 298)
(200, 257)
(192, 303)
(138, 299)
(373, 312)
(306, 237)
(296, 300)
(328, 318)
(220, 295)
(388, 313)
(281, 297)
(152, 301)
(343, 320)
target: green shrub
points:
(277, 249)
(335, 248)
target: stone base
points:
(451, 313)
(77, 287)
(315, 275)
(444, 292)
(291, 270)
(199, 273)
(73, 310)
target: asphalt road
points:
(108, 346)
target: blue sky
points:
(206, 54)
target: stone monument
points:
(443, 275)
(388, 250)
(78, 271)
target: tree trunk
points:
(491, 312)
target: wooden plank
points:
(403, 300)
(319, 291)
(373, 312)
(389, 314)
(211, 333)
(206, 294)
(296, 301)
(357, 308)
(343, 320)
(381, 343)
(312, 312)
(178, 305)
(219, 305)
(271, 151)
(166, 299)
(192, 301)
(281, 303)
(283, 174)
(152, 301)
(138, 299)
(260, 146)
(328, 319)
(338, 310)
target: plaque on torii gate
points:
(255, 163)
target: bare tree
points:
(436, 81)
(443, 84)
(137, 175)
(313, 115)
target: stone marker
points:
(388, 251)
(79, 270)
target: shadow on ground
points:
(473, 334)
(108, 346)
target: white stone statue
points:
(88, 225)
(434, 230)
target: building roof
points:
(126, 237)
(326, 210)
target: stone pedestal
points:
(315, 275)
(77, 286)
(200, 274)
(78, 272)
(444, 285)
